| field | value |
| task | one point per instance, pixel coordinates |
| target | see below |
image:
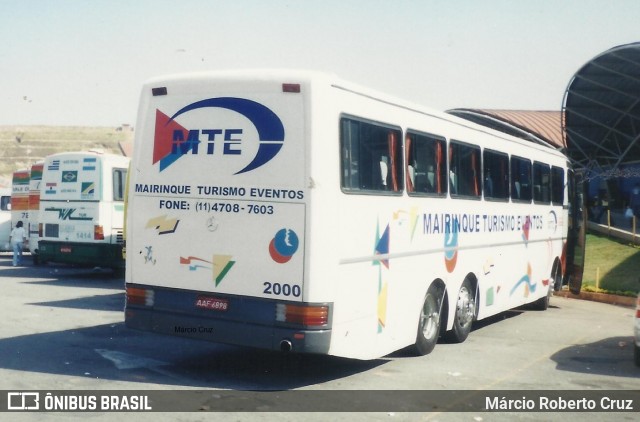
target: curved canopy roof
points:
(542, 127)
(602, 110)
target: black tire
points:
(636, 354)
(429, 323)
(542, 304)
(557, 278)
(464, 315)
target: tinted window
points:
(557, 185)
(426, 164)
(520, 179)
(541, 183)
(464, 170)
(496, 175)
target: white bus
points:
(295, 211)
(82, 209)
(5, 219)
(20, 198)
(35, 181)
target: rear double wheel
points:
(429, 323)
(464, 314)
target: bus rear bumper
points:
(86, 254)
(230, 332)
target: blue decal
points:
(268, 125)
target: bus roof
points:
(331, 80)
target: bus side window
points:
(371, 157)
(496, 175)
(426, 168)
(557, 185)
(541, 183)
(464, 170)
(521, 179)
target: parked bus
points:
(35, 181)
(20, 197)
(5, 219)
(294, 211)
(82, 210)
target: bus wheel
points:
(542, 304)
(464, 314)
(429, 324)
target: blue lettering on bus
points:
(268, 125)
(181, 146)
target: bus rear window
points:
(5, 202)
(371, 157)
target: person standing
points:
(18, 236)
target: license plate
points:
(212, 303)
(65, 249)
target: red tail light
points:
(307, 315)
(98, 233)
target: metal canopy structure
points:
(602, 112)
(541, 127)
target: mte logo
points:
(173, 141)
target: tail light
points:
(98, 233)
(138, 296)
(307, 315)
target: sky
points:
(83, 62)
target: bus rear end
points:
(81, 209)
(217, 214)
(20, 197)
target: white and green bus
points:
(295, 211)
(81, 212)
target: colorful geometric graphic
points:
(529, 287)
(219, 265)
(451, 245)
(87, 189)
(382, 246)
(163, 224)
(283, 246)
(382, 304)
(525, 230)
